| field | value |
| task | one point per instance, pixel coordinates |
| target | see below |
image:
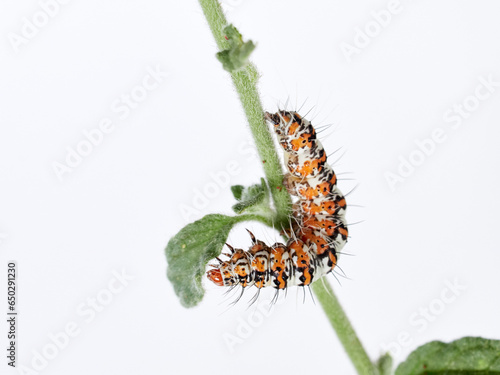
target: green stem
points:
(250, 100)
(345, 332)
(251, 217)
(245, 81)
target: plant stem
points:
(345, 332)
(245, 81)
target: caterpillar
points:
(320, 229)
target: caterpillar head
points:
(293, 132)
(273, 118)
(280, 120)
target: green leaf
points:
(236, 56)
(189, 251)
(237, 191)
(384, 364)
(254, 199)
(468, 355)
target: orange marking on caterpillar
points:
(303, 141)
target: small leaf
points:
(468, 355)
(237, 191)
(249, 202)
(189, 251)
(384, 364)
(236, 56)
(254, 198)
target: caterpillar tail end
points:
(215, 276)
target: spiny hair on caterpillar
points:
(312, 112)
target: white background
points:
(118, 208)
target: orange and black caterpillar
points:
(320, 230)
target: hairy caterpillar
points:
(320, 230)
